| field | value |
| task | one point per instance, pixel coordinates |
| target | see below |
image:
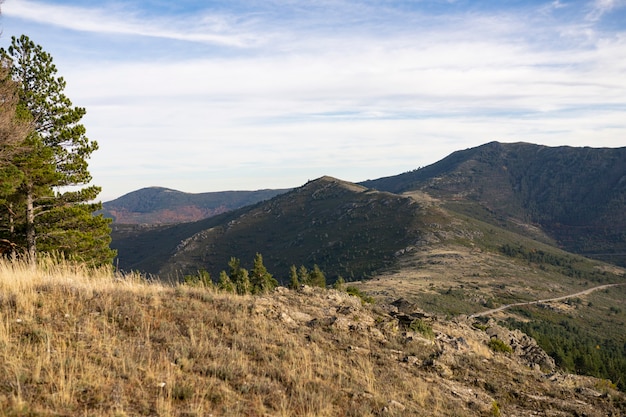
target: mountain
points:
(342, 227)
(572, 197)
(157, 205)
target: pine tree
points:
(14, 129)
(340, 284)
(317, 277)
(239, 277)
(234, 268)
(261, 280)
(225, 283)
(294, 283)
(15, 126)
(303, 275)
(53, 219)
(242, 284)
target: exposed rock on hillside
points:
(454, 362)
(101, 345)
(523, 346)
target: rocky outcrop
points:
(524, 347)
(451, 357)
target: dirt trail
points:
(565, 297)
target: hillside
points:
(79, 342)
(583, 331)
(157, 205)
(343, 228)
(572, 197)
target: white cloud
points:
(374, 97)
(601, 7)
(214, 29)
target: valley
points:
(550, 300)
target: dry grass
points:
(76, 341)
(82, 342)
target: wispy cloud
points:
(120, 20)
(601, 7)
(270, 94)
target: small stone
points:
(393, 406)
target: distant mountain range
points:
(157, 205)
(572, 198)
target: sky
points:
(204, 96)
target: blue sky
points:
(241, 95)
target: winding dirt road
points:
(565, 297)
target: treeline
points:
(535, 255)
(258, 280)
(46, 200)
(566, 265)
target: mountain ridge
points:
(305, 225)
(160, 205)
(576, 196)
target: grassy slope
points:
(80, 342)
(450, 263)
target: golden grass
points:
(77, 341)
(81, 342)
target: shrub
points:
(420, 326)
(498, 345)
(365, 299)
(495, 409)
(201, 279)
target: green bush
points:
(498, 345)
(365, 299)
(495, 409)
(201, 279)
(420, 326)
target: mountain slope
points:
(343, 228)
(573, 196)
(157, 205)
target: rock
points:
(377, 335)
(285, 318)
(588, 392)
(404, 306)
(393, 406)
(524, 346)
(341, 323)
(301, 317)
(412, 360)
(457, 344)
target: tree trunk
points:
(31, 238)
(12, 231)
